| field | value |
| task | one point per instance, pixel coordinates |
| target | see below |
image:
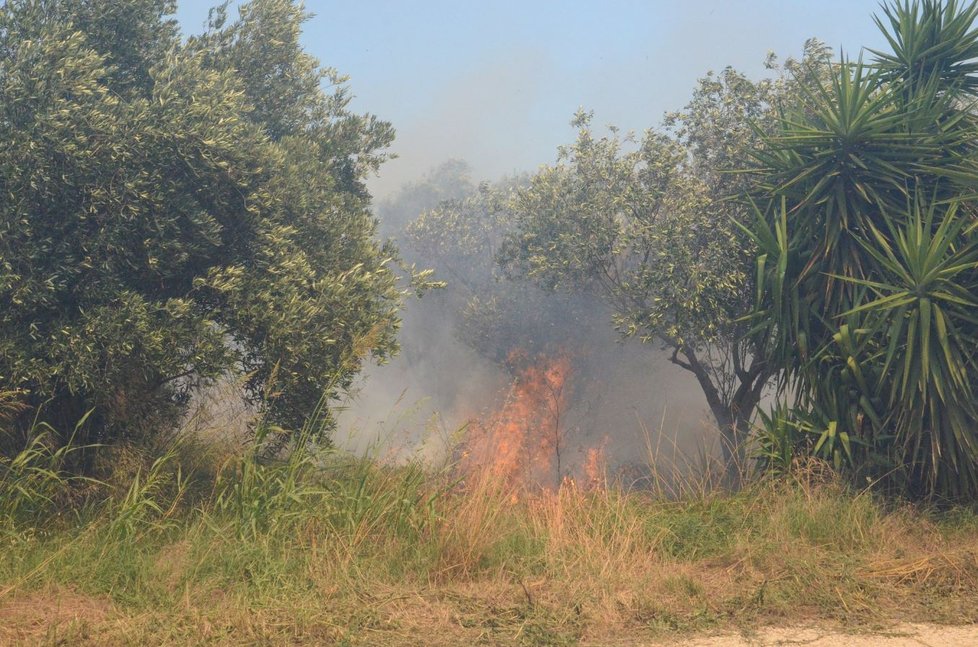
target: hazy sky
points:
(496, 82)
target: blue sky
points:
(496, 82)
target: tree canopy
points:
(651, 227)
(179, 210)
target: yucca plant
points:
(867, 261)
(929, 42)
(777, 439)
(923, 310)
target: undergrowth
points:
(194, 545)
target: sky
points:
(496, 83)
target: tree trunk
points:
(729, 447)
(733, 417)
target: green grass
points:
(195, 547)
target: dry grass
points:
(333, 551)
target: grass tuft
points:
(196, 546)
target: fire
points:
(523, 442)
(596, 465)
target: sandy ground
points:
(906, 635)
(69, 618)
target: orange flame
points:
(596, 465)
(522, 443)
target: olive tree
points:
(651, 226)
(176, 210)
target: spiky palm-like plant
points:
(868, 253)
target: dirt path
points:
(69, 618)
(906, 635)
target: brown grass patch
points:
(52, 616)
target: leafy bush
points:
(180, 209)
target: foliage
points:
(30, 480)
(867, 266)
(261, 494)
(495, 314)
(786, 435)
(450, 180)
(178, 210)
(649, 227)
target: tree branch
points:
(678, 362)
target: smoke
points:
(464, 366)
(496, 83)
(496, 96)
